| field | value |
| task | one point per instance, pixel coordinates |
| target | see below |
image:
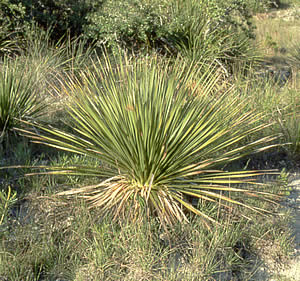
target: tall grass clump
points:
(288, 119)
(53, 58)
(157, 141)
(19, 99)
(294, 57)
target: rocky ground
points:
(291, 270)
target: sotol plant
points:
(18, 97)
(158, 141)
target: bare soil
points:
(290, 271)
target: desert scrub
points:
(173, 27)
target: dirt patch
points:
(271, 271)
(292, 271)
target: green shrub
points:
(210, 29)
(11, 21)
(12, 11)
(262, 5)
(63, 15)
(196, 29)
(132, 24)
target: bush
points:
(63, 15)
(12, 11)
(133, 24)
(197, 29)
(262, 5)
(11, 22)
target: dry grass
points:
(278, 31)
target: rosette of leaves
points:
(158, 141)
(212, 31)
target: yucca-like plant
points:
(158, 142)
(18, 97)
(216, 36)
